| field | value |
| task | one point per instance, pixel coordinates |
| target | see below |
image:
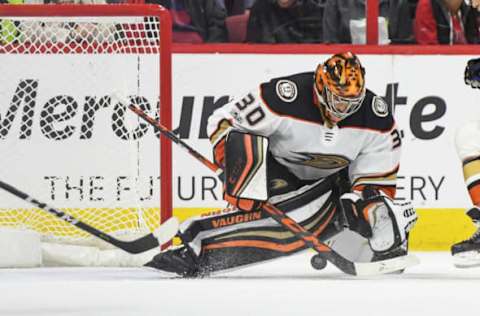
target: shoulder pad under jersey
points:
(374, 114)
(292, 96)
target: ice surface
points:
(284, 287)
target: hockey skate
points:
(181, 261)
(466, 254)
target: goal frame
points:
(165, 63)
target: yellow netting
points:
(128, 222)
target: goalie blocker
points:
(242, 234)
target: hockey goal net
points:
(66, 135)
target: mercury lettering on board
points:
(57, 115)
(61, 117)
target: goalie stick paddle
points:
(161, 235)
(345, 265)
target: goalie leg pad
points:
(232, 238)
(246, 170)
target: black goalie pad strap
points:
(246, 166)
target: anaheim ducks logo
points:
(322, 161)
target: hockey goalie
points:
(317, 145)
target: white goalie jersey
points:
(284, 110)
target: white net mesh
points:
(82, 35)
(65, 138)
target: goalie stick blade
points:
(167, 230)
(386, 266)
(161, 235)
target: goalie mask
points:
(340, 86)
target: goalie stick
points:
(161, 235)
(345, 265)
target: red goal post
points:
(63, 65)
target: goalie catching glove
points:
(384, 221)
(245, 184)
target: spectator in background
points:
(236, 7)
(476, 4)
(286, 21)
(249, 3)
(446, 22)
(56, 31)
(196, 21)
(344, 21)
